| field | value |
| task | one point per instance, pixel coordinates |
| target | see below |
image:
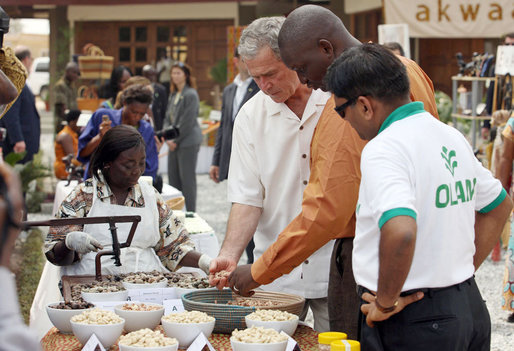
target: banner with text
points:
(452, 18)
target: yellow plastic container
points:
(345, 345)
(326, 339)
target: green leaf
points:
(219, 72)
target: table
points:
(47, 290)
(305, 336)
(63, 189)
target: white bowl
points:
(288, 326)
(173, 347)
(243, 346)
(186, 333)
(135, 320)
(61, 318)
(106, 333)
(105, 296)
(160, 284)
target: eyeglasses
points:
(341, 108)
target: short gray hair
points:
(260, 33)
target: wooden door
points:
(201, 44)
(437, 58)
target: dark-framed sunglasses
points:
(341, 108)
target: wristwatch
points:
(386, 309)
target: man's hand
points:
(214, 174)
(19, 146)
(374, 315)
(241, 281)
(219, 264)
(82, 242)
(171, 145)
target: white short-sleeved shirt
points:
(269, 168)
(420, 167)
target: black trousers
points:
(452, 318)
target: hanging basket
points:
(94, 64)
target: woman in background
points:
(135, 101)
(119, 77)
(182, 113)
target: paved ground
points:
(213, 207)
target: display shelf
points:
(471, 79)
(478, 85)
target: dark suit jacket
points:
(223, 146)
(160, 101)
(23, 124)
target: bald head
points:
(72, 71)
(149, 73)
(311, 23)
(71, 66)
(310, 39)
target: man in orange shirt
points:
(311, 38)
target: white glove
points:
(82, 242)
(204, 262)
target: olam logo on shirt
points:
(452, 194)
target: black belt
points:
(427, 291)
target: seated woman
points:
(160, 242)
(66, 143)
(135, 101)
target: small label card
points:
(169, 293)
(173, 306)
(200, 342)
(292, 345)
(93, 344)
(109, 305)
(154, 295)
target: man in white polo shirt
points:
(428, 213)
(269, 167)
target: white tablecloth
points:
(202, 165)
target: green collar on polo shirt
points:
(402, 112)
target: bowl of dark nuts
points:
(61, 312)
(144, 280)
(189, 284)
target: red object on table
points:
(306, 337)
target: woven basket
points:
(94, 64)
(230, 317)
(96, 67)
